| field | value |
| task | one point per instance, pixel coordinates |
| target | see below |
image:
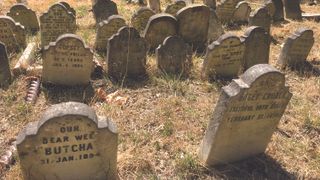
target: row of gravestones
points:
(71, 142)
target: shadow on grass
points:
(307, 69)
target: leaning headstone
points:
(261, 18)
(215, 29)
(106, 29)
(5, 74)
(246, 115)
(172, 55)
(242, 12)
(297, 48)
(279, 12)
(25, 16)
(257, 46)
(69, 142)
(224, 57)
(141, 17)
(159, 27)
(292, 9)
(67, 62)
(210, 3)
(225, 10)
(175, 7)
(155, 5)
(103, 9)
(56, 22)
(126, 55)
(12, 34)
(193, 23)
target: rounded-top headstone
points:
(103, 9)
(175, 7)
(141, 17)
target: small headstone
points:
(293, 9)
(67, 62)
(224, 57)
(69, 142)
(225, 10)
(159, 27)
(5, 74)
(103, 9)
(215, 29)
(12, 34)
(172, 56)
(106, 29)
(297, 48)
(175, 7)
(271, 7)
(210, 3)
(56, 22)
(242, 12)
(257, 43)
(261, 18)
(25, 16)
(155, 5)
(126, 55)
(193, 23)
(141, 17)
(279, 13)
(246, 115)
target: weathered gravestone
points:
(175, 7)
(56, 22)
(103, 9)
(106, 29)
(155, 5)
(159, 27)
(12, 34)
(292, 9)
(141, 17)
(261, 18)
(247, 113)
(242, 12)
(279, 13)
(126, 55)
(67, 62)
(224, 57)
(5, 74)
(25, 16)
(215, 29)
(225, 10)
(193, 23)
(297, 48)
(172, 56)
(257, 43)
(69, 142)
(210, 3)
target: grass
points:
(164, 120)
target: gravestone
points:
(210, 3)
(257, 43)
(12, 34)
(225, 10)
(159, 27)
(224, 57)
(70, 9)
(172, 56)
(271, 8)
(25, 16)
(126, 55)
(242, 12)
(69, 142)
(5, 74)
(56, 22)
(141, 17)
(297, 48)
(67, 62)
(155, 5)
(246, 115)
(193, 23)
(175, 7)
(261, 18)
(215, 29)
(292, 9)
(279, 13)
(103, 9)
(106, 29)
